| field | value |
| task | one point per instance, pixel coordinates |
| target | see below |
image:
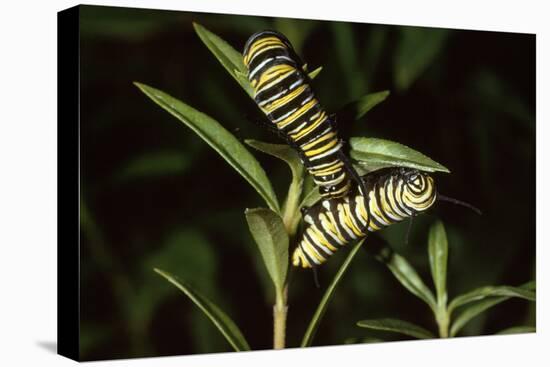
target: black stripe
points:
(279, 87)
(293, 104)
(306, 256)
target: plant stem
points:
(291, 215)
(442, 318)
(279, 320)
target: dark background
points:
(153, 194)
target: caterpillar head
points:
(417, 189)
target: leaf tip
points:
(197, 26)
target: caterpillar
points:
(394, 194)
(283, 93)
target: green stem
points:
(442, 319)
(291, 215)
(279, 320)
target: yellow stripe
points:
(348, 221)
(272, 73)
(322, 149)
(296, 115)
(263, 42)
(349, 215)
(321, 237)
(282, 101)
(328, 170)
(318, 140)
(336, 231)
(310, 249)
(310, 128)
(305, 262)
(386, 205)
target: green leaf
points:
(438, 252)
(380, 152)
(311, 197)
(416, 49)
(291, 213)
(472, 311)
(231, 59)
(397, 326)
(517, 330)
(483, 302)
(270, 235)
(322, 307)
(491, 291)
(296, 30)
(224, 324)
(361, 106)
(366, 339)
(406, 275)
(225, 143)
(314, 73)
(153, 165)
(345, 50)
(281, 151)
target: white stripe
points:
(316, 137)
(334, 182)
(296, 83)
(387, 212)
(358, 200)
(269, 85)
(353, 220)
(313, 249)
(372, 206)
(320, 166)
(262, 64)
(328, 152)
(324, 223)
(341, 216)
(294, 131)
(307, 99)
(263, 103)
(320, 245)
(285, 115)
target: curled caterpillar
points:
(282, 91)
(394, 195)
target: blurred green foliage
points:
(153, 195)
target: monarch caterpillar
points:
(282, 91)
(395, 194)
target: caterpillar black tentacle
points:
(282, 91)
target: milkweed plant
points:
(274, 227)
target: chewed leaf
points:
(224, 324)
(386, 153)
(231, 59)
(225, 143)
(397, 326)
(270, 235)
